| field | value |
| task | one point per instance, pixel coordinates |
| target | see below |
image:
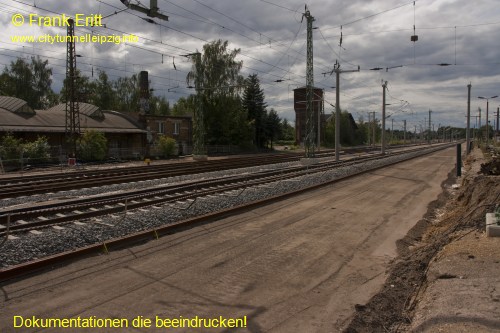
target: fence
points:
(14, 158)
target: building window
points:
(161, 127)
(177, 128)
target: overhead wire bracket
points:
(152, 11)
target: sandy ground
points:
(463, 280)
(447, 277)
(301, 265)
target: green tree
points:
(287, 131)
(349, 135)
(167, 146)
(104, 96)
(85, 89)
(184, 106)
(127, 94)
(159, 106)
(273, 126)
(92, 146)
(255, 107)
(215, 74)
(29, 81)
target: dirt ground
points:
(447, 277)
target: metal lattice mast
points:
(72, 109)
(310, 124)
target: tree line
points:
(234, 107)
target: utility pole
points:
(487, 123)
(479, 125)
(498, 111)
(369, 132)
(374, 128)
(321, 106)
(467, 133)
(404, 132)
(487, 117)
(392, 130)
(415, 134)
(429, 138)
(72, 128)
(384, 87)
(338, 71)
(310, 136)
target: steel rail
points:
(19, 270)
(149, 197)
(77, 182)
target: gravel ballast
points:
(50, 241)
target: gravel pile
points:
(30, 246)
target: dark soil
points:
(392, 308)
(491, 168)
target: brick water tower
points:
(299, 97)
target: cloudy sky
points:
(272, 37)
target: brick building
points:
(301, 114)
(125, 136)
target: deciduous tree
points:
(215, 74)
(29, 81)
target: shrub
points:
(167, 146)
(38, 150)
(10, 148)
(92, 146)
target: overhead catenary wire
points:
(269, 73)
(158, 52)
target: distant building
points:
(300, 103)
(128, 134)
(178, 127)
(125, 136)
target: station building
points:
(128, 134)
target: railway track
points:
(60, 212)
(35, 184)
(29, 185)
(160, 211)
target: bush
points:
(10, 148)
(92, 146)
(167, 146)
(38, 151)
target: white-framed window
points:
(177, 128)
(161, 127)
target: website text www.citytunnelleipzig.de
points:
(86, 38)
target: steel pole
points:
(337, 117)
(467, 133)
(383, 118)
(487, 122)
